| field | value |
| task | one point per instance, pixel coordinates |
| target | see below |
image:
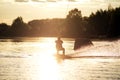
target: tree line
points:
(101, 24)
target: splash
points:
(99, 49)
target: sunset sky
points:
(42, 9)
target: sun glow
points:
(49, 69)
(46, 66)
(45, 46)
(48, 46)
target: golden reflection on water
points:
(47, 66)
(49, 69)
(40, 63)
(45, 60)
(47, 46)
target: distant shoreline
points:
(93, 39)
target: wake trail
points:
(107, 50)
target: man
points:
(59, 47)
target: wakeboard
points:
(61, 56)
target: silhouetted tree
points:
(4, 29)
(19, 28)
(35, 27)
(99, 22)
(105, 22)
(74, 23)
(114, 27)
(47, 27)
(102, 23)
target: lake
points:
(33, 59)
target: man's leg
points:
(63, 51)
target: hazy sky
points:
(42, 9)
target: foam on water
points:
(101, 48)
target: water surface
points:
(33, 59)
